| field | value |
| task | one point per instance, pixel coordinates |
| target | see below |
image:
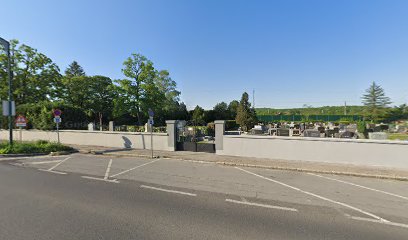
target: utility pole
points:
(253, 98)
(6, 46)
(345, 108)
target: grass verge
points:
(32, 147)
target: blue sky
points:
(290, 52)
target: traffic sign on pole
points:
(57, 112)
(21, 121)
(151, 113)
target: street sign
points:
(6, 108)
(151, 113)
(57, 119)
(57, 112)
(21, 121)
(151, 121)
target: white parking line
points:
(101, 179)
(108, 169)
(115, 175)
(43, 162)
(317, 196)
(360, 186)
(378, 221)
(59, 164)
(52, 171)
(168, 190)
(261, 205)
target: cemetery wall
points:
(96, 138)
(391, 154)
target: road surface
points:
(97, 197)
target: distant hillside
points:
(326, 110)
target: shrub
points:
(32, 147)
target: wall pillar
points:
(219, 134)
(171, 134)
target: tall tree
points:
(141, 73)
(92, 94)
(198, 115)
(232, 109)
(246, 117)
(74, 70)
(35, 75)
(221, 111)
(375, 101)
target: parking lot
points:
(373, 201)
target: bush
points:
(32, 147)
(39, 116)
(362, 128)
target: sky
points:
(288, 52)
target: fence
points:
(298, 118)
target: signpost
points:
(21, 122)
(151, 122)
(57, 119)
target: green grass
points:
(398, 136)
(32, 147)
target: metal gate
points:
(195, 137)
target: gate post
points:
(219, 134)
(171, 134)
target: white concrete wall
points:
(96, 138)
(391, 154)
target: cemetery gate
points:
(195, 137)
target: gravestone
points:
(111, 126)
(283, 132)
(147, 127)
(378, 135)
(311, 133)
(91, 127)
(347, 134)
(351, 128)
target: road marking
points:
(360, 186)
(168, 190)
(43, 162)
(59, 163)
(101, 179)
(378, 221)
(261, 205)
(315, 195)
(115, 175)
(108, 170)
(52, 171)
(28, 157)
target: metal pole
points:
(58, 131)
(21, 134)
(6, 45)
(151, 138)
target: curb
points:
(354, 174)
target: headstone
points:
(111, 126)
(347, 134)
(91, 127)
(283, 132)
(311, 133)
(378, 135)
(321, 129)
(351, 128)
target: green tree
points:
(35, 75)
(375, 101)
(232, 109)
(74, 70)
(198, 115)
(246, 117)
(92, 94)
(141, 73)
(221, 111)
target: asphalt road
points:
(94, 197)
